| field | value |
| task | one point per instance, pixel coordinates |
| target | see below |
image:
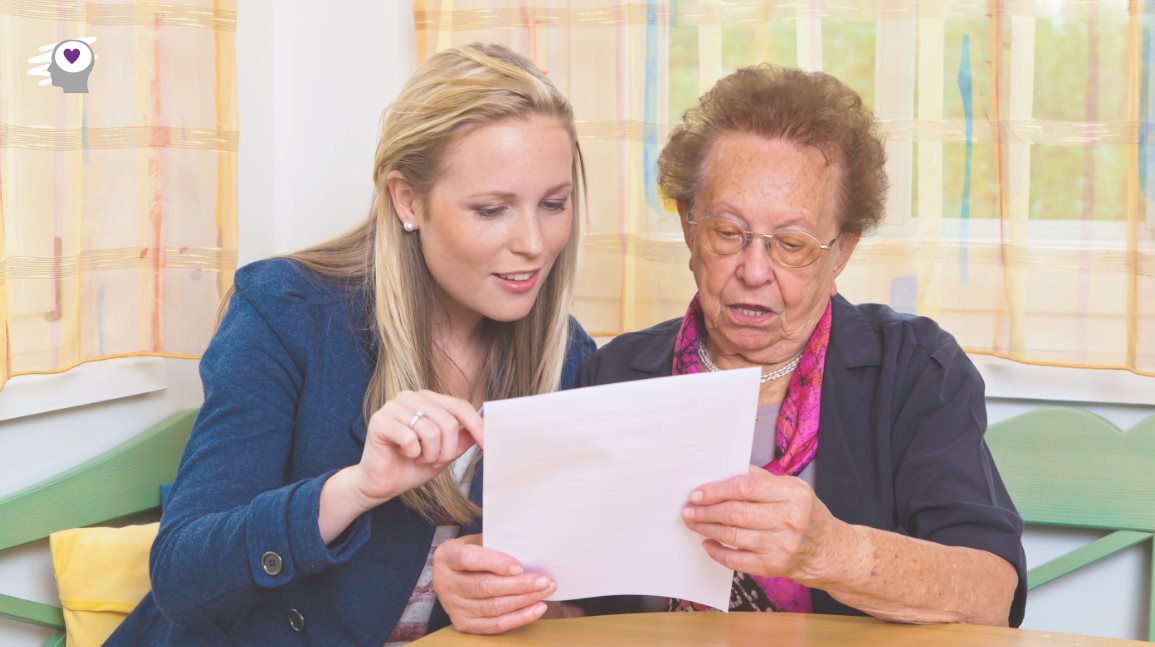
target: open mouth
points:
(518, 276)
(751, 312)
(518, 282)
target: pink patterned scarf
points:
(796, 438)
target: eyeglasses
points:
(788, 247)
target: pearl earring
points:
(408, 226)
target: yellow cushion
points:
(101, 573)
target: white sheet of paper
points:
(588, 485)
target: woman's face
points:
(497, 217)
(755, 309)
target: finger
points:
(499, 606)
(391, 432)
(435, 426)
(405, 405)
(468, 555)
(432, 434)
(395, 420)
(465, 414)
(517, 591)
(500, 624)
(449, 433)
(757, 485)
(385, 430)
(450, 441)
(455, 441)
(743, 561)
(742, 538)
(449, 412)
(461, 443)
(740, 514)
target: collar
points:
(853, 341)
(656, 354)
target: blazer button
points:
(271, 563)
(296, 620)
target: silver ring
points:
(417, 416)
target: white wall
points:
(312, 87)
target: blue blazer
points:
(239, 558)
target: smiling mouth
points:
(517, 276)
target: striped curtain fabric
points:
(118, 179)
(1020, 213)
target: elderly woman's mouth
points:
(747, 313)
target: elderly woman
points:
(871, 489)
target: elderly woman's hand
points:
(767, 525)
(484, 591)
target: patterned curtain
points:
(118, 193)
(1020, 214)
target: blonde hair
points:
(455, 90)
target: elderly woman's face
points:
(755, 308)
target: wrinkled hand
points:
(398, 458)
(484, 591)
(766, 525)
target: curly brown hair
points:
(807, 108)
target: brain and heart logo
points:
(67, 64)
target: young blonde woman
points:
(337, 443)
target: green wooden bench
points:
(1066, 467)
(124, 481)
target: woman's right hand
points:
(398, 456)
(484, 591)
(412, 438)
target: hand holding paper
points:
(587, 486)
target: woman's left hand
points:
(767, 525)
(484, 591)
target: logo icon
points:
(67, 64)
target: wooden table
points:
(711, 629)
